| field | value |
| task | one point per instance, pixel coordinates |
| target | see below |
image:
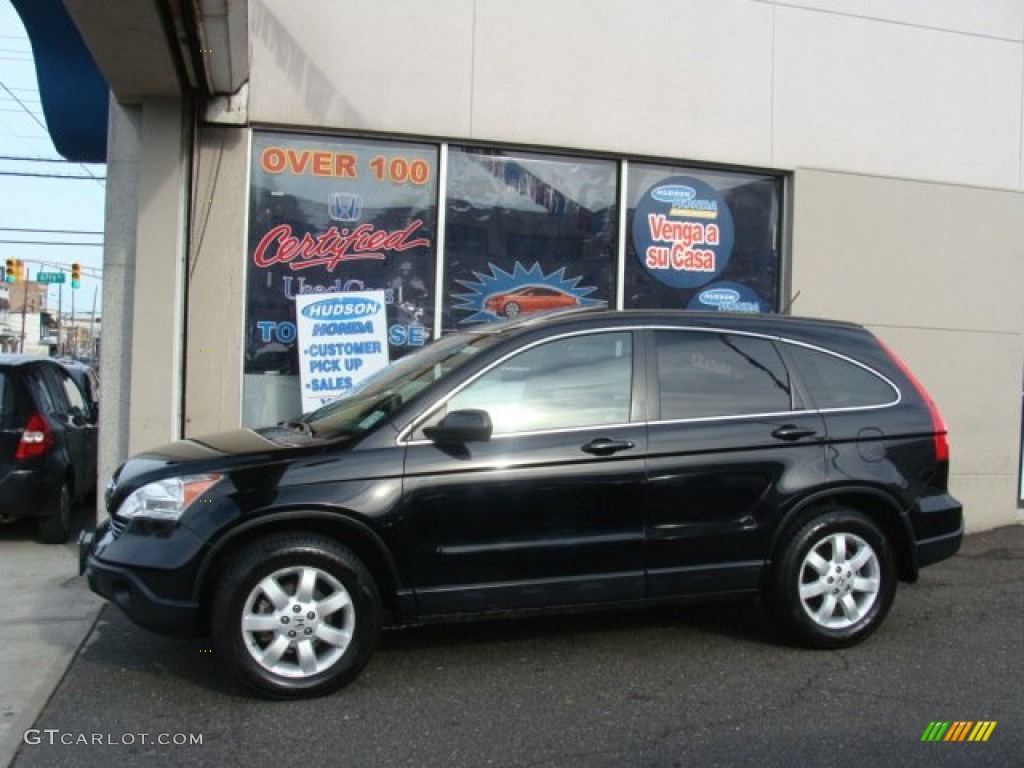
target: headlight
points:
(166, 499)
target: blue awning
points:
(73, 92)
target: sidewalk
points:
(47, 611)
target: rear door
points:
(70, 437)
(82, 428)
(728, 441)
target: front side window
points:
(579, 381)
(707, 375)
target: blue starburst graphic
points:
(500, 282)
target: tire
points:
(295, 616)
(56, 527)
(512, 309)
(834, 581)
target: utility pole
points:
(60, 326)
(24, 308)
(92, 326)
(74, 328)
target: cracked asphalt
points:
(686, 685)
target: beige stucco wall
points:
(920, 90)
(937, 272)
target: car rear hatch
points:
(14, 414)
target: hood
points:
(220, 452)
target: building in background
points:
(475, 160)
(25, 327)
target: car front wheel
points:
(835, 580)
(295, 616)
(512, 309)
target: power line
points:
(69, 176)
(41, 159)
(40, 123)
(47, 242)
(54, 231)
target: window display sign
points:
(331, 215)
(702, 239)
(527, 232)
(343, 339)
(682, 232)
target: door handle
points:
(603, 446)
(793, 432)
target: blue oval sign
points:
(717, 297)
(683, 232)
(727, 296)
(676, 194)
(348, 308)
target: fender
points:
(293, 517)
(906, 553)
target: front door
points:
(550, 509)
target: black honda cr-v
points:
(586, 458)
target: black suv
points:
(47, 444)
(586, 458)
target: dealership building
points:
(469, 160)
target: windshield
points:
(390, 388)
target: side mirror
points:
(468, 426)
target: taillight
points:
(36, 439)
(938, 424)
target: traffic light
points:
(9, 274)
(19, 270)
(76, 275)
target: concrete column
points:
(216, 282)
(158, 295)
(119, 241)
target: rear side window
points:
(834, 382)
(34, 378)
(12, 406)
(72, 392)
(704, 375)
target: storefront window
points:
(526, 232)
(700, 239)
(333, 215)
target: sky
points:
(62, 217)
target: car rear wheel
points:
(295, 616)
(835, 580)
(512, 309)
(56, 527)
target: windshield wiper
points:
(301, 426)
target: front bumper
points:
(127, 588)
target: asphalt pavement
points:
(673, 686)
